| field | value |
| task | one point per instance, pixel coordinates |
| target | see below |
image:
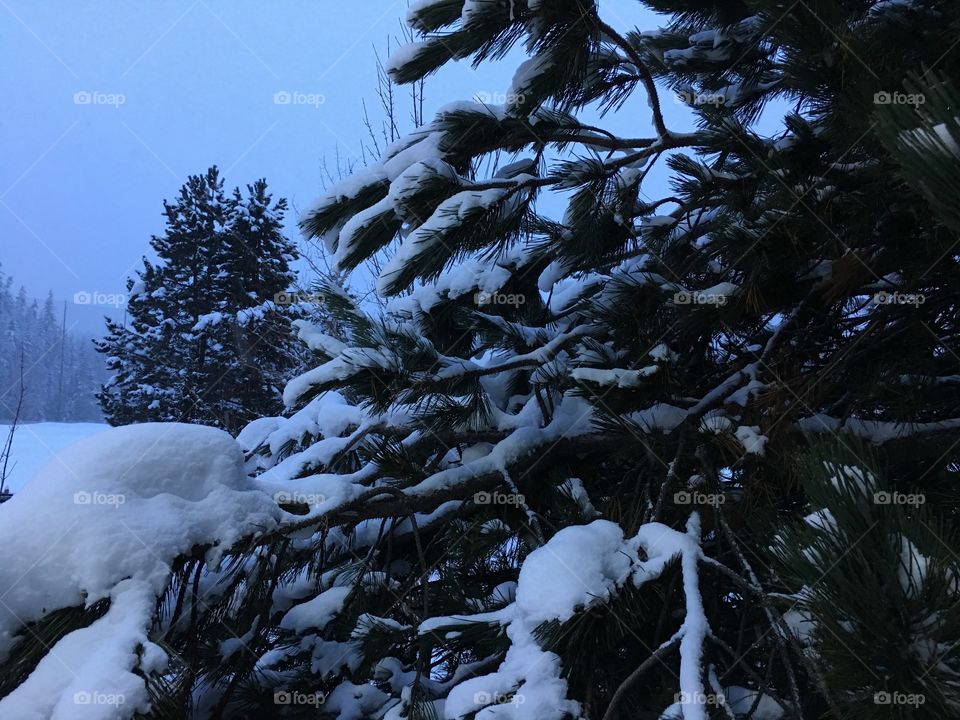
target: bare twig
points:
(8, 443)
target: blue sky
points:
(110, 105)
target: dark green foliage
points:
(205, 341)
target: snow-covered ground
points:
(35, 443)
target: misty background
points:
(110, 106)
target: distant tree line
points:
(57, 372)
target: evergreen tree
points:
(666, 365)
(205, 342)
(49, 339)
(255, 265)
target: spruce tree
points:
(205, 341)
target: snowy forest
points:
(628, 391)
(48, 371)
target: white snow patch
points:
(317, 612)
(119, 506)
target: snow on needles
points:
(579, 566)
(449, 214)
(121, 505)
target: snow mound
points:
(119, 507)
(580, 564)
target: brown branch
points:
(645, 76)
(634, 677)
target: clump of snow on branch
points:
(120, 507)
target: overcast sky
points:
(109, 105)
